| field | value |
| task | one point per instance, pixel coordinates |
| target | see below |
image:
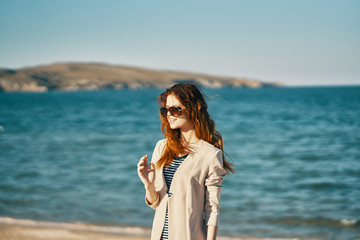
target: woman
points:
(183, 181)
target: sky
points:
(298, 43)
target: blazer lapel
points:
(183, 170)
(160, 179)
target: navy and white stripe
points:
(169, 175)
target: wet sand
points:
(20, 229)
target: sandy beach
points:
(19, 229)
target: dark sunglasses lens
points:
(163, 111)
(174, 111)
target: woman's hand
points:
(146, 174)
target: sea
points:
(70, 156)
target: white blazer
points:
(195, 190)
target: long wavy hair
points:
(192, 98)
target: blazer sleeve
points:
(155, 157)
(213, 184)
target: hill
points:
(91, 76)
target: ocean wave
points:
(79, 226)
(325, 222)
(348, 222)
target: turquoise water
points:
(71, 156)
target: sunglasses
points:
(174, 111)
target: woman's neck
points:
(190, 137)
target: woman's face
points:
(182, 122)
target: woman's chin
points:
(173, 127)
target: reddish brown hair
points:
(191, 97)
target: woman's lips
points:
(172, 120)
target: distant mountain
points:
(91, 76)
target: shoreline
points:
(16, 229)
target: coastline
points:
(74, 76)
(16, 229)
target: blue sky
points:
(295, 42)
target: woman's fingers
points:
(152, 167)
(146, 172)
(143, 161)
(143, 166)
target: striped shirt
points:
(168, 175)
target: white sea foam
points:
(78, 226)
(348, 222)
